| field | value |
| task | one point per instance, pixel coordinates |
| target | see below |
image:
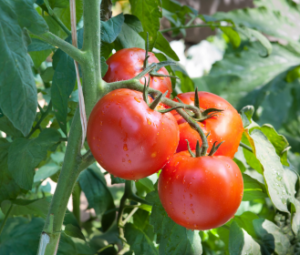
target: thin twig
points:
(5, 219)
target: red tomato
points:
(200, 193)
(226, 126)
(127, 138)
(125, 64)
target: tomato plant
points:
(225, 126)
(58, 59)
(200, 192)
(125, 64)
(129, 139)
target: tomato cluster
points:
(131, 139)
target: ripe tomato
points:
(125, 64)
(200, 193)
(226, 126)
(127, 138)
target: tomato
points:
(225, 126)
(127, 138)
(200, 193)
(125, 64)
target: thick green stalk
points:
(65, 185)
(92, 84)
(76, 202)
(68, 48)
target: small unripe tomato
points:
(127, 138)
(200, 193)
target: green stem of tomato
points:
(68, 48)
(93, 89)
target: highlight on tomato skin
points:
(127, 138)
(125, 64)
(200, 193)
(226, 126)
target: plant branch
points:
(44, 115)
(186, 27)
(53, 15)
(68, 48)
(246, 147)
(6, 217)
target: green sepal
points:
(157, 100)
(169, 109)
(145, 90)
(165, 63)
(215, 148)
(163, 75)
(196, 102)
(198, 149)
(189, 148)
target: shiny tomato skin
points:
(226, 126)
(127, 138)
(125, 64)
(200, 193)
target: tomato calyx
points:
(199, 150)
(208, 113)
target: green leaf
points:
(46, 171)
(104, 66)
(232, 35)
(63, 82)
(28, 17)
(21, 235)
(116, 180)
(144, 184)
(47, 75)
(263, 19)
(185, 83)
(37, 207)
(247, 113)
(263, 40)
(240, 242)
(139, 241)
(38, 57)
(273, 172)
(278, 141)
(245, 221)
(30, 153)
(163, 45)
(18, 95)
(74, 231)
(228, 77)
(110, 29)
(65, 16)
(253, 189)
(129, 36)
(270, 237)
(250, 157)
(293, 74)
(149, 13)
(98, 195)
(9, 189)
(7, 127)
(38, 45)
(66, 245)
(173, 239)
